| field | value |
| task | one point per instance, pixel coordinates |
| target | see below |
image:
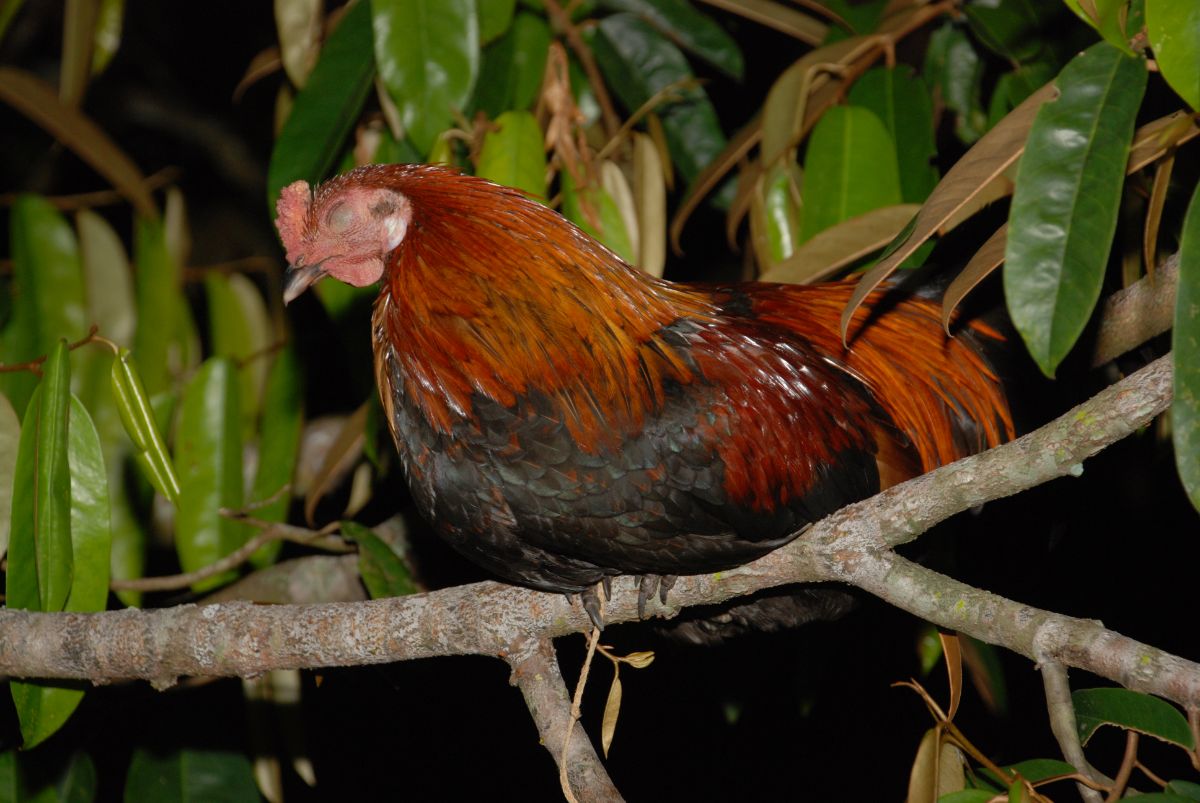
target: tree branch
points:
(851, 546)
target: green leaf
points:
(44, 706)
(39, 553)
(513, 67)
(495, 16)
(137, 416)
(593, 210)
(1015, 86)
(1174, 31)
(1013, 29)
(91, 538)
(278, 446)
(326, 110)
(208, 456)
(1034, 769)
(1184, 789)
(190, 775)
(1185, 345)
(513, 154)
(954, 66)
(239, 328)
(47, 291)
(1107, 20)
(639, 62)
(158, 298)
(695, 32)
(10, 439)
(781, 213)
(900, 99)
(849, 168)
(1131, 710)
(428, 56)
(384, 573)
(1064, 209)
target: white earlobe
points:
(395, 226)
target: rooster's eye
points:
(340, 218)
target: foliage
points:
(179, 418)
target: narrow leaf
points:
(158, 297)
(779, 16)
(137, 416)
(612, 711)
(650, 192)
(900, 99)
(1174, 31)
(1106, 17)
(208, 456)
(428, 56)
(1133, 710)
(842, 245)
(513, 153)
(299, 23)
(1185, 342)
(10, 438)
(107, 277)
(989, 257)
(91, 537)
(326, 110)
(38, 102)
(849, 168)
(240, 328)
(512, 69)
(384, 573)
(1064, 209)
(593, 210)
(988, 158)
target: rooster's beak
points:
(298, 279)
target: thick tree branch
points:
(486, 618)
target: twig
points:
(577, 710)
(562, 21)
(34, 366)
(90, 200)
(1127, 762)
(1062, 724)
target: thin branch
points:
(1127, 763)
(1141, 311)
(562, 22)
(1062, 724)
(536, 674)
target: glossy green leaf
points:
(849, 168)
(384, 573)
(208, 457)
(326, 110)
(861, 17)
(158, 297)
(42, 706)
(90, 532)
(495, 17)
(900, 99)
(513, 67)
(39, 552)
(137, 416)
(638, 62)
(278, 445)
(1064, 209)
(514, 154)
(185, 776)
(47, 290)
(1034, 770)
(1132, 710)
(594, 211)
(956, 68)
(1014, 29)
(240, 328)
(10, 439)
(1174, 31)
(781, 213)
(693, 31)
(1105, 16)
(428, 56)
(1185, 343)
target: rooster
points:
(562, 417)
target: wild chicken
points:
(562, 417)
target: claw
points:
(590, 599)
(665, 584)
(607, 581)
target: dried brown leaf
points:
(345, 450)
(650, 192)
(265, 62)
(747, 180)
(612, 710)
(989, 257)
(1155, 138)
(79, 29)
(737, 148)
(952, 653)
(299, 23)
(778, 16)
(833, 249)
(987, 159)
(1158, 198)
(37, 101)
